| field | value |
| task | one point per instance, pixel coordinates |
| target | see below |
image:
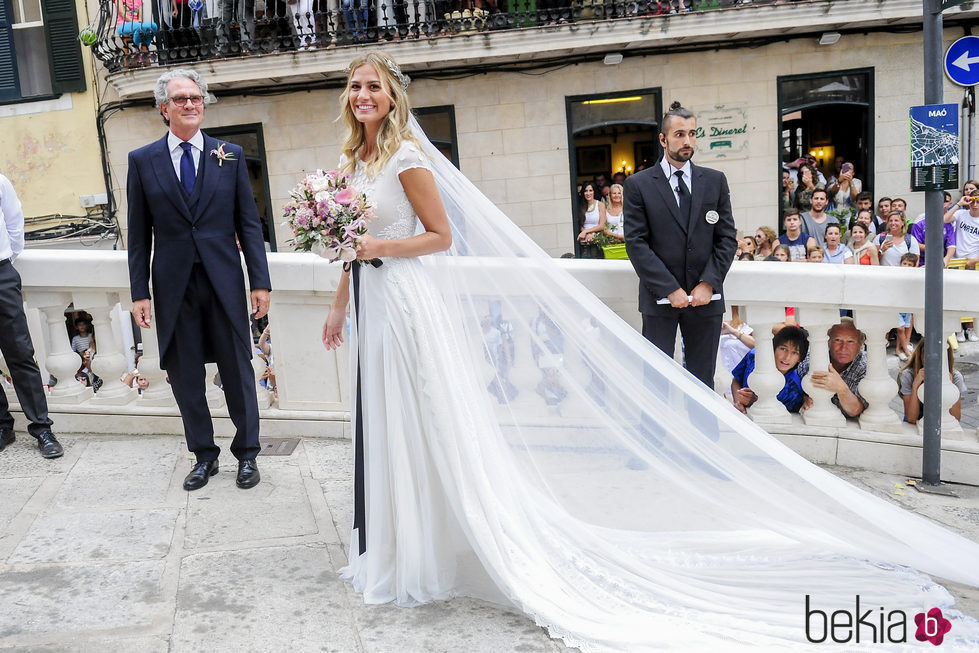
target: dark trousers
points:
(18, 351)
(701, 335)
(204, 330)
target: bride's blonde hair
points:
(395, 127)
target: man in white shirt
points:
(15, 341)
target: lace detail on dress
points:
(408, 157)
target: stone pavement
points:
(102, 550)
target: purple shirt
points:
(918, 231)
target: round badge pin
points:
(712, 217)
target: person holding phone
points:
(844, 189)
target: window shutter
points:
(9, 82)
(61, 29)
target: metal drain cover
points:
(278, 446)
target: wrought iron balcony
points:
(135, 34)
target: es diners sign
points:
(722, 132)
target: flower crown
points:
(393, 67)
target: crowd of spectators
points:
(835, 222)
(189, 29)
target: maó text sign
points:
(962, 61)
(935, 147)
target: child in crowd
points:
(864, 252)
(782, 253)
(797, 241)
(904, 320)
(791, 344)
(815, 254)
(746, 246)
(835, 252)
(965, 216)
(912, 375)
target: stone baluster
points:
(61, 361)
(766, 381)
(213, 394)
(950, 428)
(158, 393)
(109, 362)
(823, 411)
(877, 387)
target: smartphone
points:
(847, 167)
(889, 237)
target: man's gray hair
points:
(160, 92)
(676, 110)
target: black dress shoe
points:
(49, 445)
(200, 474)
(248, 475)
(7, 438)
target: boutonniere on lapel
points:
(221, 155)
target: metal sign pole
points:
(934, 232)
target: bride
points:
(607, 494)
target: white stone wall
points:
(512, 128)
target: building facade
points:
(530, 112)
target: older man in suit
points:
(190, 193)
(681, 239)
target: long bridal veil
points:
(623, 504)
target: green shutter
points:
(61, 29)
(9, 82)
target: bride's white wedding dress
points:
(523, 445)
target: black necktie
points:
(187, 173)
(683, 194)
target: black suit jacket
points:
(208, 225)
(669, 251)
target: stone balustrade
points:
(312, 383)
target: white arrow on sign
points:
(964, 61)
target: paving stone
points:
(220, 514)
(270, 599)
(15, 492)
(120, 473)
(46, 599)
(77, 537)
(159, 644)
(456, 625)
(329, 459)
(22, 458)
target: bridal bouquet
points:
(327, 216)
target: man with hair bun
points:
(681, 240)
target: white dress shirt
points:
(12, 233)
(197, 141)
(669, 171)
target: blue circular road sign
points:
(962, 61)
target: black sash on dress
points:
(360, 505)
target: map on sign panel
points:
(934, 147)
(933, 141)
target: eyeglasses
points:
(182, 100)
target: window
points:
(40, 55)
(609, 135)
(828, 117)
(439, 124)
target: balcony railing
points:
(136, 33)
(312, 383)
